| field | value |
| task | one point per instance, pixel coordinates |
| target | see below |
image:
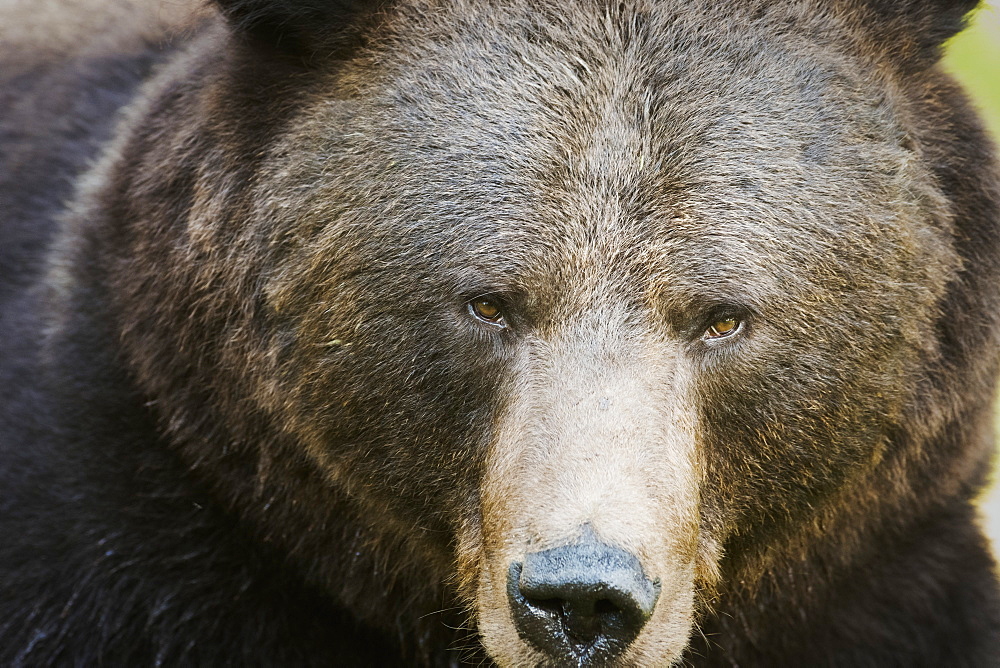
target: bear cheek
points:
(600, 450)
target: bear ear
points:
(298, 27)
(914, 28)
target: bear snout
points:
(582, 603)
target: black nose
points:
(582, 604)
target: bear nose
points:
(582, 603)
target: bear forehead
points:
(609, 91)
(559, 141)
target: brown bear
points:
(577, 333)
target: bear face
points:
(639, 300)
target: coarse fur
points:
(247, 416)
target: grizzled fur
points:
(246, 417)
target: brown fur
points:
(267, 271)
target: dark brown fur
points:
(247, 419)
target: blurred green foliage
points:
(974, 58)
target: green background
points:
(974, 58)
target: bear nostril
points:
(583, 617)
(584, 602)
(582, 620)
(554, 606)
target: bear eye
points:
(722, 328)
(486, 310)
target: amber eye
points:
(722, 328)
(486, 309)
